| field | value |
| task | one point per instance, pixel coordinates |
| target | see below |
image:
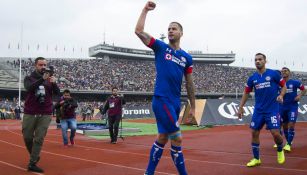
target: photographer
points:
(67, 106)
(114, 105)
(40, 86)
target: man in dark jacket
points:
(17, 112)
(67, 106)
(40, 86)
(114, 105)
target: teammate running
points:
(289, 108)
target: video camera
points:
(66, 103)
(49, 70)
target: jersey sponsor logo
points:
(230, 110)
(263, 85)
(268, 78)
(289, 91)
(183, 59)
(175, 60)
(178, 61)
(290, 88)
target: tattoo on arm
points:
(145, 37)
(190, 89)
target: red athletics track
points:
(215, 151)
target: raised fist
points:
(150, 5)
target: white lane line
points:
(87, 160)
(17, 167)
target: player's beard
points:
(172, 40)
(259, 66)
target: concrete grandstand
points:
(105, 51)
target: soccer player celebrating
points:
(265, 83)
(289, 108)
(172, 63)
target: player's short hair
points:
(39, 58)
(66, 91)
(261, 55)
(114, 87)
(286, 68)
(180, 26)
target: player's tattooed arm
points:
(190, 89)
(145, 37)
(139, 28)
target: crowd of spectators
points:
(139, 75)
(10, 109)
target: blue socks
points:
(178, 159)
(155, 155)
(286, 133)
(279, 147)
(290, 137)
(255, 148)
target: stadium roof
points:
(105, 51)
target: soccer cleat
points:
(287, 148)
(281, 157)
(254, 162)
(275, 146)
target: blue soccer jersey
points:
(266, 87)
(289, 98)
(171, 65)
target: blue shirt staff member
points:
(172, 63)
(265, 82)
(289, 108)
(40, 87)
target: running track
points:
(215, 151)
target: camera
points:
(66, 104)
(40, 94)
(49, 70)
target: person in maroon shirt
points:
(40, 87)
(113, 106)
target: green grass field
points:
(145, 129)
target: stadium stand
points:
(7, 80)
(136, 75)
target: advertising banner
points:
(223, 112)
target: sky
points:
(246, 27)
